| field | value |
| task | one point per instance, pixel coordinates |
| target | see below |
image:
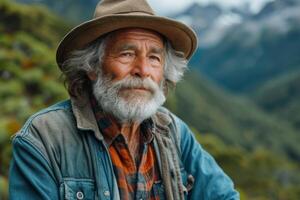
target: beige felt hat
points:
(111, 15)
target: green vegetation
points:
(235, 120)
(29, 79)
(78, 10)
(233, 129)
(259, 174)
(36, 21)
(281, 97)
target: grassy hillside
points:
(235, 120)
(36, 21)
(281, 97)
(29, 78)
(28, 73)
(260, 175)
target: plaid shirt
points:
(137, 178)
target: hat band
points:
(128, 13)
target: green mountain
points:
(256, 50)
(243, 65)
(235, 120)
(281, 97)
(73, 11)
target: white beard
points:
(128, 105)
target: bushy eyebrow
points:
(125, 47)
(157, 50)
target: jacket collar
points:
(84, 115)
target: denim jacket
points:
(61, 154)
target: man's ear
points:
(92, 75)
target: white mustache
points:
(107, 93)
(133, 82)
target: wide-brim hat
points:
(111, 15)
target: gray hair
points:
(89, 59)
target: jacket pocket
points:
(77, 189)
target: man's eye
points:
(156, 58)
(127, 54)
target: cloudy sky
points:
(172, 6)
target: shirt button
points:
(106, 193)
(79, 195)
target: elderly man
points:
(112, 139)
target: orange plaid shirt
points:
(137, 178)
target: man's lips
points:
(139, 89)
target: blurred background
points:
(241, 95)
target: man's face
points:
(134, 52)
(130, 83)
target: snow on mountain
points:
(212, 21)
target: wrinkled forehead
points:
(136, 33)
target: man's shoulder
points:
(175, 124)
(46, 129)
(170, 117)
(52, 117)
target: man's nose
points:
(141, 67)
